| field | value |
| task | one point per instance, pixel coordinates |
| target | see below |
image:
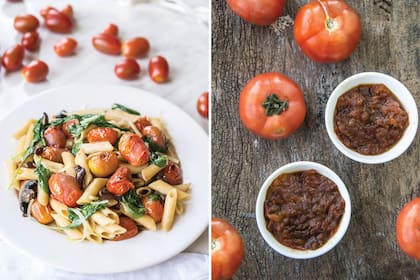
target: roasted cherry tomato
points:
(120, 181)
(261, 12)
(12, 58)
(55, 137)
(128, 69)
(272, 106)
(107, 44)
(52, 153)
(68, 11)
(172, 174)
(26, 23)
(408, 229)
(100, 134)
(133, 149)
(141, 123)
(57, 22)
(154, 207)
(327, 31)
(203, 105)
(30, 41)
(41, 213)
(227, 250)
(65, 47)
(135, 48)
(36, 71)
(66, 126)
(111, 29)
(44, 11)
(103, 164)
(65, 189)
(131, 228)
(155, 134)
(158, 69)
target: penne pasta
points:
(69, 163)
(133, 169)
(24, 129)
(42, 197)
(72, 234)
(28, 136)
(90, 148)
(180, 207)
(88, 111)
(150, 171)
(109, 231)
(58, 207)
(143, 191)
(169, 210)
(24, 173)
(183, 187)
(118, 115)
(81, 160)
(165, 188)
(11, 172)
(92, 190)
(53, 166)
(101, 219)
(144, 220)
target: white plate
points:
(147, 248)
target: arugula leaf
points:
(158, 160)
(38, 140)
(76, 146)
(43, 175)
(87, 120)
(125, 109)
(86, 210)
(156, 148)
(153, 197)
(132, 202)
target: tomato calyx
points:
(215, 244)
(274, 105)
(330, 23)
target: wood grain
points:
(242, 161)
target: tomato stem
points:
(274, 106)
(215, 244)
(330, 23)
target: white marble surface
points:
(177, 30)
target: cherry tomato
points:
(154, 207)
(128, 69)
(99, 134)
(111, 29)
(131, 228)
(12, 58)
(203, 105)
(65, 47)
(227, 249)
(67, 125)
(65, 189)
(135, 48)
(58, 22)
(155, 134)
(408, 229)
(261, 12)
(120, 181)
(41, 213)
(52, 153)
(30, 41)
(55, 137)
(107, 44)
(68, 11)
(44, 11)
(158, 69)
(172, 174)
(133, 149)
(272, 106)
(25, 23)
(327, 31)
(103, 164)
(141, 123)
(36, 71)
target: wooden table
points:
(242, 161)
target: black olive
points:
(44, 119)
(80, 175)
(26, 194)
(62, 114)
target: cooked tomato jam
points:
(303, 209)
(369, 119)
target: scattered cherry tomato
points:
(58, 22)
(158, 69)
(261, 12)
(203, 105)
(44, 11)
(172, 174)
(99, 134)
(65, 189)
(103, 164)
(408, 229)
(41, 213)
(52, 153)
(25, 23)
(154, 207)
(227, 249)
(36, 71)
(68, 11)
(127, 69)
(12, 58)
(30, 41)
(271, 105)
(155, 134)
(327, 31)
(135, 48)
(133, 149)
(131, 228)
(120, 181)
(55, 137)
(111, 29)
(65, 47)
(107, 44)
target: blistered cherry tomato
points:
(25, 23)
(103, 164)
(67, 125)
(68, 11)
(107, 44)
(131, 228)
(65, 189)
(100, 134)
(36, 71)
(41, 213)
(172, 174)
(65, 47)
(141, 123)
(136, 47)
(58, 22)
(155, 134)
(128, 69)
(12, 58)
(120, 181)
(30, 41)
(203, 105)
(158, 69)
(154, 207)
(55, 137)
(111, 29)
(52, 153)
(133, 149)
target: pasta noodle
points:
(165, 188)
(169, 210)
(90, 148)
(150, 171)
(24, 129)
(81, 160)
(69, 163)
(92, 190)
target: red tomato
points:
(65, 47)
(408, 229)
(133, 149)
(111, 29)
(131, 228)
(227, 249)
(26, 23)
(58, 22)
(203, 105)
(12, 58)
(172, 174)
(66, 126)
(154, 208)
(155, 134)
(260, 12)
(44, 11)
(158, 69)
(30, 41)
(107, 44)
(99, 134)
(128, 69)
(141, 123)
(327, 31)
(135, 47)
(65, 189)
(272, 106)
(55, 137)
(68, 11)
(36, 71)
(52, 153)
(120, 181)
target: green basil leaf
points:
(125, 109)
(43, 174)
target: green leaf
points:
(274, 106)
(87, 120)
(132, 202)
(87, 211)
(38, 140)
(125, 109)
(158, 160)
(153, 197)
(156, 148)
(76, 146)
(43, 175)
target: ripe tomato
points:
(271, 105)
(58, 22)
(12, 58)
(260, 12)
(128, 69)
(327, 31)
(106, 43)
(41, 213)
(141, 123)
(172, 174)
(111, 29)
(55, 137)
(99, 134)
(65, 47)
(120, 181)
(227, 249)
(133, 149)
(136, 47)
(158, 69)
(65, 189)
(66, 127)
(408, 228)
(52, 153)
(155, 134)
(36, 71)
(25, 23)
(68, 11)
(154, 208)
(30, 41)
(131, 228)
(44, 11)
(203, 105)
(103, 164)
